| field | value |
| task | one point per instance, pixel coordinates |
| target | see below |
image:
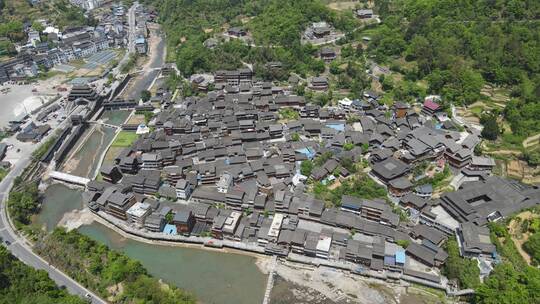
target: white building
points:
(183, 189)
(137, 213)
(323, 246)
(225, 181)
(275, 227)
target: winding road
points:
(20, 248)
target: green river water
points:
(214, 277)
(115, 117)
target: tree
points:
(295, 137)
(306, 167)
(348, 146)
(335, 68)
(365, 147)
(403, 243)
(464, 270)
(491, 127)
(37, 26)
(532, 247)
(145, 95)
(532, 158)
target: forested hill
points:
(499, 39)
(460, 45)
(20, 283)
(273, 24)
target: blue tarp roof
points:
(337, 126)
(170, 229)
(400, 256)
(309, 153)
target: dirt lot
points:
(136, 119)
(520, 238)
(342, 6)
(111, 155)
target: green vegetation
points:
(288, 113)
(360, 186)
(321, 159)
(145, 95)
(130, 64)
(306, 167)
(532, 247)
(281, 22)
(276, 27)
(348, 164)
(532, 158)
(14, 13)
(147, 115)
(491, 128)
(403, 243)
(125, 139)
(457, 46)
(512, 281)
(3, 173)
(348, 146)
(43, 148)
(23, 204)
(438, 179)
(99, 268)
(295, 137)
(24, 284)
(456, 267)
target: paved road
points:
(21, 249)
(131, 39)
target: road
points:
(131, 38)
(132, 28)
(18, 245)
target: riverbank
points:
(78, 218)
(215, 277)
(297, 283)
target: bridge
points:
(69, 178)
(99, 122)
(270, 282)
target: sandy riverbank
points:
(309, 283)
(297, 283)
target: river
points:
(58, 200)
(214, 277)
(85, 160)
(115, 117)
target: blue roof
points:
(170, 229)
(139, 40)
(351, 205)
(337, 126)
(389, 260)
(400, 256)
(309, 153)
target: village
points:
(226, 170)
(52, 49)
(368, 187)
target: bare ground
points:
(339, 286)
(518, 237)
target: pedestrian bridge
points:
(69, 178)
